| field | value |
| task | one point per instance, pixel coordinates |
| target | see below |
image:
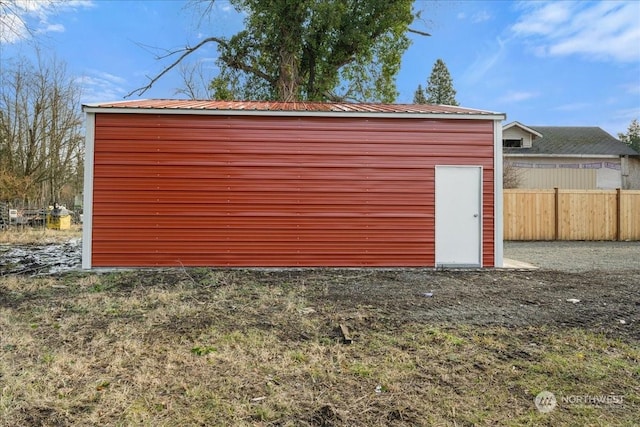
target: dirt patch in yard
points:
(564, 292)
(601, 301)
(606, 302)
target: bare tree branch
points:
(13, 22)
(154, 50)
(185, 52)
(346, 98)
(421, 33)
(195, 84)
(206, 11)
(235, 63)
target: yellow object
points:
(58, 222)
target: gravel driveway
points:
(574, 256)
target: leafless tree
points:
(12, 24)
(510, 176)
(41, 142)
(195, 82)
(19, 18)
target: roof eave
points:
(581, 156)
(523, 127)
(290, 113)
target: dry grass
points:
(206, 347)
(38, 235)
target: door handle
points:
(475, 215)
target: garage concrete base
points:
(512, 263)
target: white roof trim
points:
(364, 114)
(523, 127)
(565, 156)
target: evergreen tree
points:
(632, 137)
(440, 86)
(418, 96)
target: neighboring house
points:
(571, 157)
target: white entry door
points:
(458, 216)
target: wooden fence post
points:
(556, 233)
(618, 214)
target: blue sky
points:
(542, 63)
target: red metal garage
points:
(213, 183)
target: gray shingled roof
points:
(574, 140)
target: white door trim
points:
(498, 200)
(479, 212)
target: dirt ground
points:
(608, 301)
(593, 285)
(265, 347)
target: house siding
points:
(517, 133)
(631, 173)
(586, 173)
(196, 190)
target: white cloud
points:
(485, 62)
(576, 106)
(619, 120)
(631, 88)
(19, 19)
(109, 77)
(99, 86)
(604, 30)
(542, 18)
(627, 114)
(518, 96)
(476, 18)
(481, 16)
(53, 28)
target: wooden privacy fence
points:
(571, 214)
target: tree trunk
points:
(288, 84)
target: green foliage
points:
(222, 88)
(632, 137)
(299, 356)
(440, 86)
(314, 50)
(361, 369)
(203, 350)
(418, 96)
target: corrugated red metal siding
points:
(214, 190)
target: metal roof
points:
(574, 140)
(175, 105)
